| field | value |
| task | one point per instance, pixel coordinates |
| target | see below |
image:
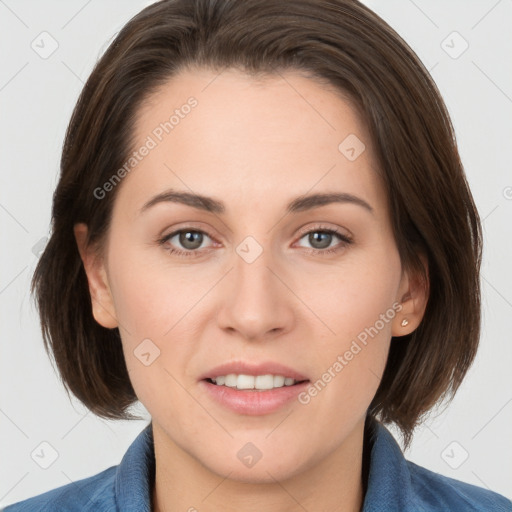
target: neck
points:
(333, 483)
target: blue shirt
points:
(393, 485)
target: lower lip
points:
(251, 401)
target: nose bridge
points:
(253, 279)
(256, 303)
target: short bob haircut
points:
(343, 44)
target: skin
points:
(255, 145)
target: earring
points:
(404, 322)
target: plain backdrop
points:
(467, 47)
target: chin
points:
(260, 473)
(248, 464)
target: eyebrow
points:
(209, 204)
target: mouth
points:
(253, 395)
(244, 382)
(253, 389)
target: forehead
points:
(250, 139)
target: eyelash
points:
(345, 241)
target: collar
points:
(388, 486)
(388, 481)
(135, 476)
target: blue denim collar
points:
(393, 484)
(135, 475)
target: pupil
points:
(189, 239)
(313, 237)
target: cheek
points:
(348, 298)
(150, 296)
(358, 306)
(156, 307)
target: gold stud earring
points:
(404, 322)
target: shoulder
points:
(433, 491)
(89, 494)
(126, 486)
(398, 484)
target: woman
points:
(263, 232)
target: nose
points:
(256, 303)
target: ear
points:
(413, 296)
(103, 308)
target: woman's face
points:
(257, 282)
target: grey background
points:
(470, 440)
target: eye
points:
(190, 239)
(321, 238)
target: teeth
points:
(279, 381)
(261, 382)
(231, 380)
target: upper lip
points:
(247, 368)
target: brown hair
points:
(342, 43)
